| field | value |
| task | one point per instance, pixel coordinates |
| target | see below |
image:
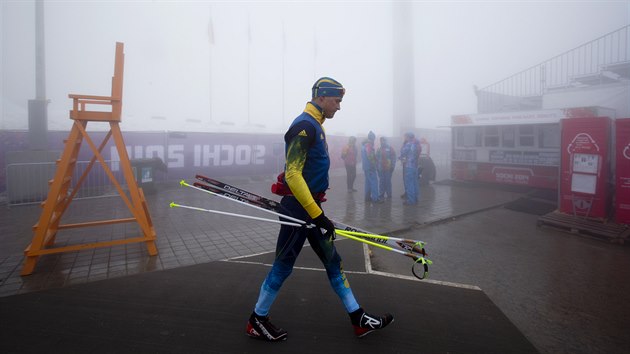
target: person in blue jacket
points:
(303, 186)
(385, 165)
(409, 156)
(368, 160)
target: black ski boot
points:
(364, 323)
(260, 327)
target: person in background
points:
(368, 159)
(409, 156)
(349, 157)
(302, 185)
(385, 164)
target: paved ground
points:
(565, 293)
(202, 309)
(187, 237)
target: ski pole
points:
(183, 183)
(302, 222)
(417, 259)
(407, 244)
(175, 205)
(236, 193)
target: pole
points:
(37, 108)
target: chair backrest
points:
(117, 80)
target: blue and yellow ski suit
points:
(306, 174)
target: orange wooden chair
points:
(59, 194)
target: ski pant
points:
(288, 247)
(351, 175)
(371, 185)
(384, 184)
(410, 179)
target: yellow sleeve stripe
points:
(296, 157)
(300, 191)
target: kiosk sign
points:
(584, 168)
(622, 174)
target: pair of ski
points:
(413, 249)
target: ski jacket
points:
(349, 155)
(307, 160)
(386, 158)
(368, 156)
(410, 153)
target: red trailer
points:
(519, 148)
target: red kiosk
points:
(622, 173)
(584, 167)
(585, 189)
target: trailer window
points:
(526, 135)
(507, 135)
(549, 136)
(491, 136)
(469, 137)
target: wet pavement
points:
(565, 293)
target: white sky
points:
(255, 77)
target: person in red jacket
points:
(349, 157)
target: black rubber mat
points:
(204, 308)
(532, 206)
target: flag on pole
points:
(284, 39)
(210, 30)
(315, 43)
(249, 30)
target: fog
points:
(248, 66)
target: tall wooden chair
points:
(59, 194)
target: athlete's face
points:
(330, 106)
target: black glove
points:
(322, 222)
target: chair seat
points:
(94, 116)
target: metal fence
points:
(442, 163)
(28, 183)
(601, 61)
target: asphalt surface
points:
(203, 309)
(566, 293)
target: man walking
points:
(303, 186)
